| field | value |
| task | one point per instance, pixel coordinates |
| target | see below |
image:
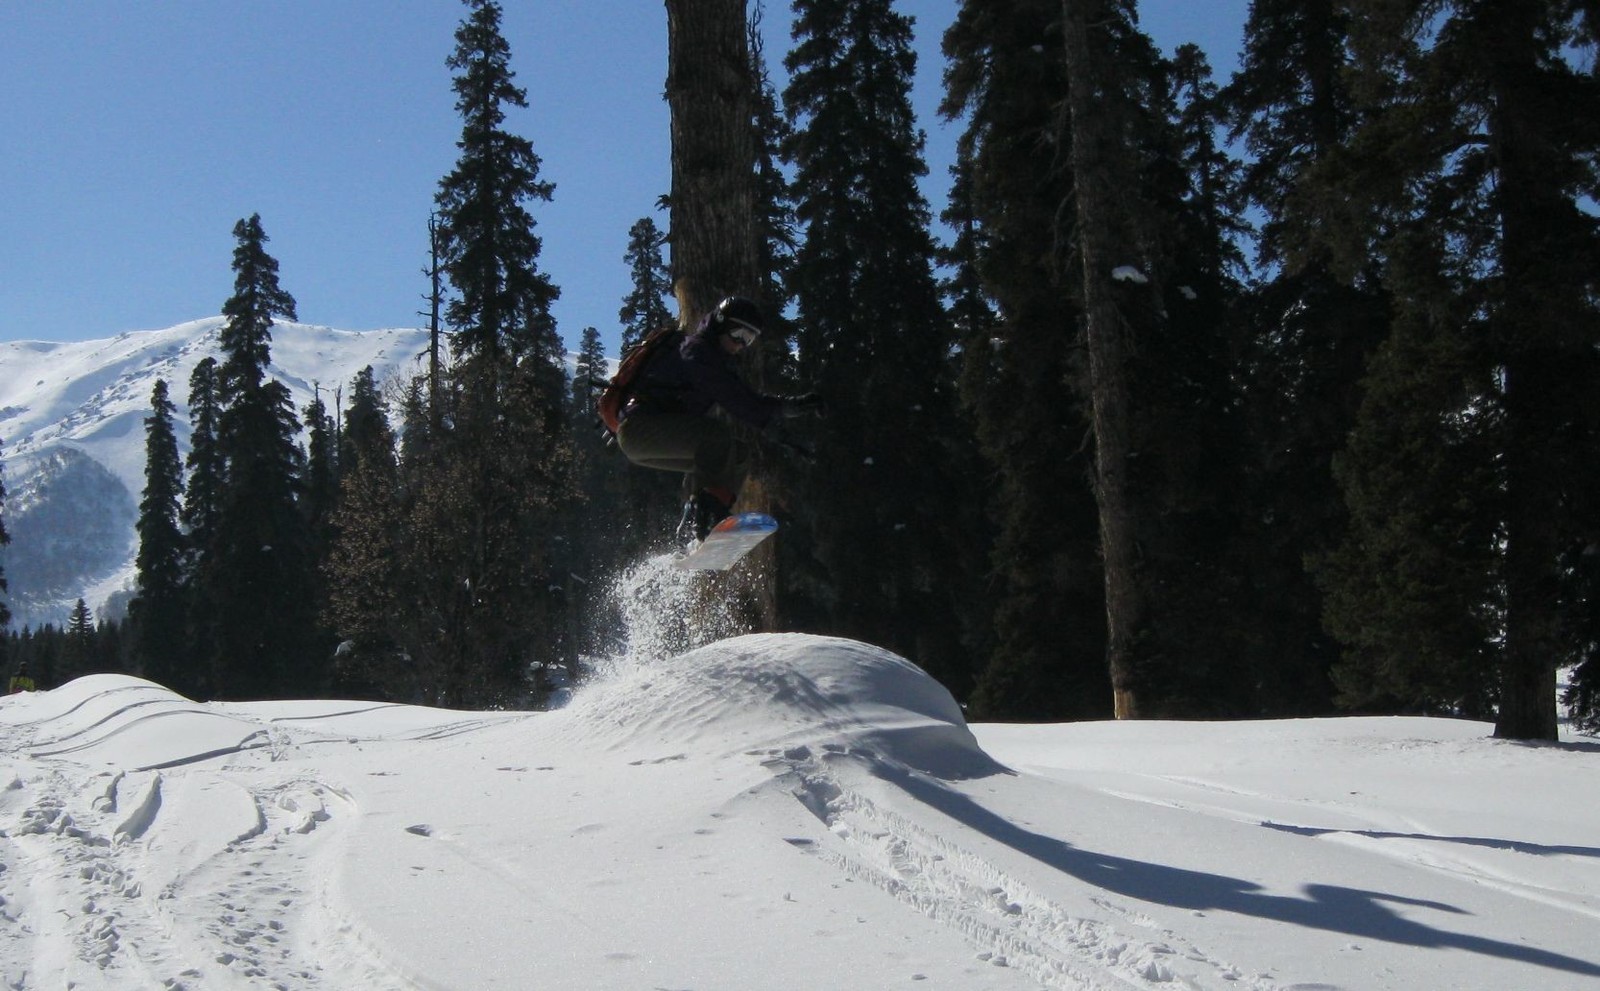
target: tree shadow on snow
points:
(1332, 908)
(1517, 846)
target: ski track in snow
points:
(1008, 923)
(202, 867)
(110, 904)
(1393, 836)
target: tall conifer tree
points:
(487, 497)
(1023, 360)
(487, 246)
(649, 499)
(322, 468)
(715, 220)
(366, 584)
(201, 512)
(202, 502)
(256, 569)
(644, 310)
(158, 613)
(1468, 474)
(1187, 433)
(886, 511)
(1313, 323)
(776, 226)
(1102, 236)
(712, 95)
(1112, 235)
(5, 538)
(78, 656)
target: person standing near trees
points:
(21, 680)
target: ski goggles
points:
(742, 332)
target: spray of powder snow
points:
(663, 610)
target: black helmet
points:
(738, 317)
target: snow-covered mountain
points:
(72, 423)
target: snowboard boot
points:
(702, 512)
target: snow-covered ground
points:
(778, 812)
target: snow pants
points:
(700, 447)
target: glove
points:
(804, 405)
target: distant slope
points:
(72, 424)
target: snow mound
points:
(129, 724)
(783, 691)
(126, 722)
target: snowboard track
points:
(1008, 923)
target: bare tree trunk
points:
(714, 239)
(712, 97)
(1098, 242)
(1538, 389)
(435, 301)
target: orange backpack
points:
(617, 391)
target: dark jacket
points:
(697, 375)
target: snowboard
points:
(729, 541)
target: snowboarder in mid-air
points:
(670, 419)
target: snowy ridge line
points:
(1010, 924)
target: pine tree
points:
(202, 502)
(5, 610)
(318, 498)
(366, 584)
(1022, 362)
(775, 223)
(1407, 589)
(644, 310)
(886, 509)
(588, 369)
(77, 657)
(649, 500)
(158, 613)
(1313, 325)
(1186, 432)
(487, 247)
(1470, 179)
(606, 532)
(5, 538)
(601, 518)
(486, 497)
(321, 490)
(772, 368)
(256, 570)
(200, 516)
(1103, 236)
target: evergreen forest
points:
(1276, 395)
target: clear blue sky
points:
(137, 132)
